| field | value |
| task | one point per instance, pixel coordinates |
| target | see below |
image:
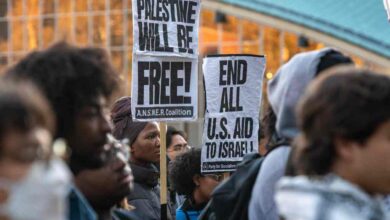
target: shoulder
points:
(274, 166)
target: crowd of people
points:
(324, 144)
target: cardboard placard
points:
(233, 93)
(164, 88)
(166, 27)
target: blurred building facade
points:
(227, 26)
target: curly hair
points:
(183, 169)
(69, 77)
(345, 103)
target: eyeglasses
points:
(215, 176)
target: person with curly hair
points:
(79, 83)
(187, 180)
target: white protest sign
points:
(164, 88)
(387, 8)
(233, 86)
(166, 27)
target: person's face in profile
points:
(146, 147)
(89, 134)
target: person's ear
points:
(132, 148)
(196, 180)
(345, 148)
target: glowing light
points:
(269, 75)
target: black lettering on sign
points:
(191, 12)
(230, 100)
(183, 11)
(234, 149)
(140, 7)
(142, 81)
(183, 6)
(243, 128)
(159, 10)
(149, 37)
(173, 3)
(166, 11)
(211, 149)
(187, 80)
(154, 86)
(175, 98)
(211, 127)
(223, 134)
(232, 72)
(164, 83)
(163, 76)
(184, 38)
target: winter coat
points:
(146, 194)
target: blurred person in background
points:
(187, 180)
(33, 184)
(78, 83)
(144, 142)
(284, 91)
(176, 144)
(342, 153)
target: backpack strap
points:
(187, 216)
(278, 143)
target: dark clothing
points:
(146, 194)
(79, 207)
(122, 214)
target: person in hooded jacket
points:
(284, 91)
(341, 155)
(144, 141)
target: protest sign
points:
(164, 88)
(233, 86)
(387, 8)
(166, 27)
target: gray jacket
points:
(284, 92)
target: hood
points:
(289, 83)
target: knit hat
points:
(124, 126)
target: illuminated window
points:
(29, 24)
(250, 37)
(272, 48)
